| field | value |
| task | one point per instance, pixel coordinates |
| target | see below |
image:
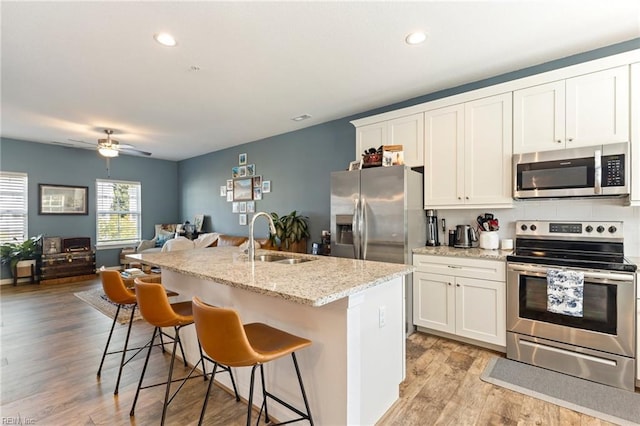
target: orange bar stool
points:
(156, 310)
(228, 342)
(116, 291)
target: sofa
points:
(164, 232)
(212, 239)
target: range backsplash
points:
(561, 210)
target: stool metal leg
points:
(106, 348)
(176, 342)
(264, 396)
(124, 350)
(304, 394)
(206, 398)
(144, 369)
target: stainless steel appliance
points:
(599, 344)
(601, 170)
(465, 236)
(432, 228)
(377, 214)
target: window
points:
(118, 212)
(13, 207)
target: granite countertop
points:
(476, 253)
(321, 281)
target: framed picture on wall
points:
(251, 169)
(257, 181)
(242, 159)
(63, 199)
(251, 206)
(223, 191)
(235, 207)
(242, 189)
(257, 193)
(229, 184)
(242, 219)
(266, 186)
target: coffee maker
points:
(432, 228)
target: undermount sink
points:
(281, 259)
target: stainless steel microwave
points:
(601, 170)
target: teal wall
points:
(73, 166)
(298, 164)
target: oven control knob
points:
(533, 227)
(523, 227)
(589, 228)
(600, 229)
(613, 229)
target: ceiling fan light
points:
(108, 152)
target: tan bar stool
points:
(157, 311)
(118, 293)
(228, 342)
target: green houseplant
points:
(13, 252)
(292, 230)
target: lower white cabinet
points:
(460, 296)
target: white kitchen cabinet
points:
(591, 109)
(467, 157)
(635, 137)
(407, 131)
(461, 297)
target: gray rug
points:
(594, 399)
(101, 302)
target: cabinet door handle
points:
(454, 267)
(570, 139)
(559, 141)
(449, 284)
(457, 285)
(459, 198)
(467, 197)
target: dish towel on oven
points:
(565, 292)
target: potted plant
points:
(292, 230)
(21, 255)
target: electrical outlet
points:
(382, 316)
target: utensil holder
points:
(489, 240)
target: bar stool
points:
(227, 341)
(156, 310)
(118, 293)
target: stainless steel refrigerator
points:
(378, 214)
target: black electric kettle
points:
(465, 236)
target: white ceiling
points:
(72, 69)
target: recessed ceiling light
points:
(301, 117)
(165, 39)
(416, 37)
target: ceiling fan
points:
(111, 148)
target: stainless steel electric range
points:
(597, 342)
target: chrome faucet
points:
(252, 243)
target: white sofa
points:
(164, 233)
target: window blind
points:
(13, 206)
(119, 212)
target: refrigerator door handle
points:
(355, 224)
(363, 227)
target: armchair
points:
(164, 232)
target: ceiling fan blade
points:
(79, 141)
(134, 151)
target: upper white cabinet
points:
(468, 149)
(635, 140)
(591, 109)
(407, 131)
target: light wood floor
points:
(52, 343)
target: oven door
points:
(607, 324)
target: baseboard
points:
(474, 342)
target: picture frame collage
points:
(244, 188)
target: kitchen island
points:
(352, 310)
